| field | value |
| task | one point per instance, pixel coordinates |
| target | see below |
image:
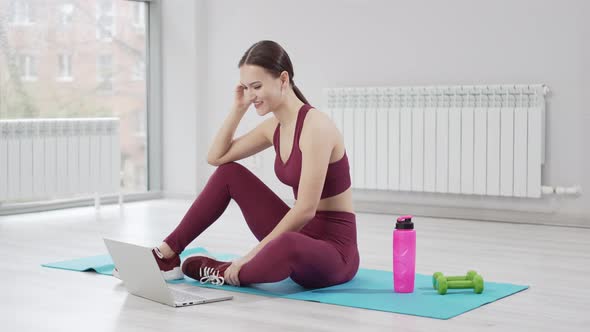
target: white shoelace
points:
(211, 275)
(159, 253)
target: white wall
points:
(383, 43)
(180, 59)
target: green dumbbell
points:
(469, 276)
(443, 284)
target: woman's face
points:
(263, 90)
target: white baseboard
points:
(477, 214)
(510, 210)
(175, 195)
(543, 211)
(40, 206)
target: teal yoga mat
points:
(370, 289)
(102, 264)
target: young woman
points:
(314, 242)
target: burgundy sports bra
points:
(337, 176)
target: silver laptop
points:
(142, 277)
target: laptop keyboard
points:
(185, 297)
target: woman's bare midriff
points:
(341, 202)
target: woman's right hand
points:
(241, 102)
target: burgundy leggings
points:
(321, 254)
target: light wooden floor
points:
(553, 261)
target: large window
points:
(79, 58)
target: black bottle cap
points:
(404, 222)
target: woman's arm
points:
(225, 149)
(223, 139)
(317, 142)
(294, 220)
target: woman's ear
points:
(284, 77)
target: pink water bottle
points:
(404, 255)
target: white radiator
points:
(56, 158)
(475, 140)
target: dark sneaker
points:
(205, 269)
(170, 267)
